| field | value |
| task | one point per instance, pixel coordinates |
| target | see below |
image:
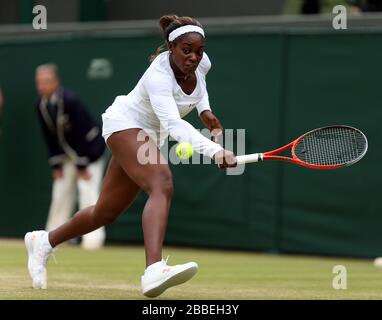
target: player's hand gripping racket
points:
(323, 148)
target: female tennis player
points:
(171, 87)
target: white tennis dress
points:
(157, 105)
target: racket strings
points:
(331, 146)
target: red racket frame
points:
(273, 154)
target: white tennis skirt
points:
(120, 117)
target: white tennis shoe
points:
(159, 276)
(39, 251)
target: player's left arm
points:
(212, 123)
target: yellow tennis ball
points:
(184, 150)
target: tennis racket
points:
(329, 147)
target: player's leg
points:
(155, 179)
(117, 193)
(152, 175)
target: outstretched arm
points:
(159, 89)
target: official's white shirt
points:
(158, 104)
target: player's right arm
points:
(159, 89)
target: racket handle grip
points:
(248, 158)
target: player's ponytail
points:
(165, 22)
(169, 23)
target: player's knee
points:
(163, 184)
(168, 188)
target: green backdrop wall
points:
(276, 84)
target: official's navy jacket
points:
(69, 130)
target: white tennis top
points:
(157, 104)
